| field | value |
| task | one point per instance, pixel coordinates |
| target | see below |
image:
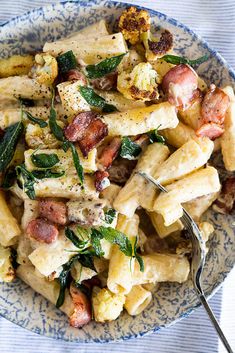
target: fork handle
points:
(215, 323)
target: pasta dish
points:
(78, 120)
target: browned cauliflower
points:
(7, 273)
(45, 69)
(133, 23)
(156, 47)
(140, 83)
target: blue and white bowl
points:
(172, 301)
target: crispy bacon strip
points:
(210, 130)
(110, 152)
(54, 211)
(101, 180)
(76, 75)
(225, 202)
(42, 231)
(82, 308)
(214, 106)
(107, 82)
(94, 133)
(179, 83)
(142, 140)
(76, 129)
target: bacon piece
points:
(82, 308)
(106, 83)
(76, 75)
(95, 133)
(214, 106)
(42, 231)
(179, 83)
(54, 211)
(210, 130)
(225, 202)
(76, 129)
(92, 282)
(101, 180)
(110, 152)
(121, 170)
(142, 140)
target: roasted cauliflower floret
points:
(7, 273)
(45, 69)
(133, 23)
(16, 65)
(140, 83)
(107, 306)
(158, 46)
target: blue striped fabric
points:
(214, 21)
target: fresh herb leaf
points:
(35, 120)
(77, 163)
(104, 67)
(9, 178)
(44, 160)
(65, 145)
(174, 59)
(110, 214)
(8, 144)
(14, 258)
(87, 260)
(64, 279)
(95, 100)
(66, 61)
(42, 174)
(129, 149)
(26, 180)
(138, 257)
(80, 244)
(55, 128)
(26, 102)
(155, 137)
(96, 236)
(115, 237)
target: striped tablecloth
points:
(214, 20)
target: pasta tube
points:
(228, 137)
(137, 191)
(7, 273)
(137, 300)
(120, 265)
(30, 212)
(9, 228)
(65, 160)
(119, 101)
(24, 87)
(140, 120)
(92, 31)
(192, 115)
(179, 135)
(199, 183)
(162, 268)
(91, 50)
(162, 230)
(198, 206)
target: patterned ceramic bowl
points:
(20, 304)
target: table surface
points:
(214, 21)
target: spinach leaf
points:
(77, 163)
(110, 214)
(174, 59)
(138, 257)
(43, 160)
(35, 120)
(80, 244)
(65, 145)
(115, 237)
(9, 178)
(55, 128)
(87, 260)
(66, 61)
(26, 180)
(129, 149)
(95, 100)
(64, 279)
(104, 67)
(96, 236)
(42, 174)
(14, 258)
(8, 144)
(155, 137)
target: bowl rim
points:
(215, 54)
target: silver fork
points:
(198, 261)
